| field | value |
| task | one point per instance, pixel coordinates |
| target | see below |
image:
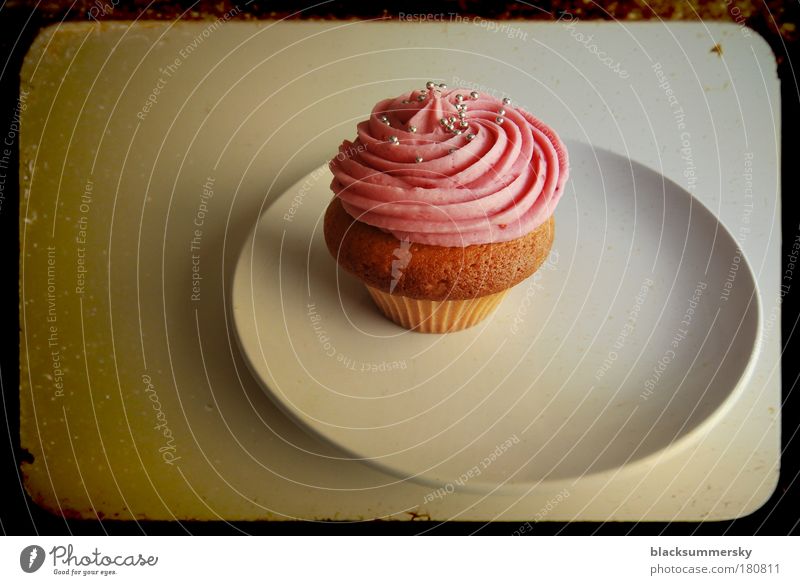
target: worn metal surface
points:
(134, 400)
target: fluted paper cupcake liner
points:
(428, 316)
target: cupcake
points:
(443, 203)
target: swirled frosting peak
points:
(451, 168)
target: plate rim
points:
(671, 449)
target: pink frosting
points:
(498, 186)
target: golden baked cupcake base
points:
(433, 289)
(439, 273)
(428, 316)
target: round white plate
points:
(637, 331)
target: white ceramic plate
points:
(632, 337)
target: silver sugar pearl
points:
(452, 150)
(430, 85)
(459, 98)
(452, 118)
(406, 102)
(464, 124)
(442, 86)
(393, 139)
(421, 98)
(418, 159)
(457, 132)
(470, 136)
(499, 119)
(507, 101)
(474, 95)
(412, 129)
(501, 112)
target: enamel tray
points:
(568, 404)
